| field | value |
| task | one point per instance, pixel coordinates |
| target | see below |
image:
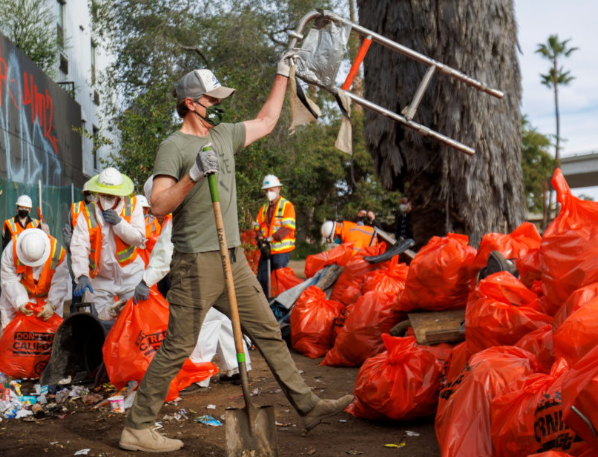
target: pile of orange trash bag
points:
(283, 279)
(338, 255)
(398, 384)
(312, 320)
(26, 344)
(134, 339)
(440, 275)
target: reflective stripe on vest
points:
(41, 287)
(15, 229)
(287, 244)
(76, 209)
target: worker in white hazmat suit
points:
(216, 335)
(104, 255)
(33, 272)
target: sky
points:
(575, 20)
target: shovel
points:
(251, 431)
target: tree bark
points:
(449, 191)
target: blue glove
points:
(141, 292)
(82, 284)
(111, 216)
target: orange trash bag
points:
(283, 279)
(578, 335)
(26, 344)
(338, 255)
(529, 267)
(569, 249)
(529, 419)
(353, 272)
(312, 319)
(575, 301)
(134, 339)
(588, 453)
(580, 391)
(463, 416)
(540, 343)
(440, 275)
(500, 311)
(515, 245)
(453, 367)
(389, 279)
(398, 384)
(361, 337)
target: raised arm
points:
(168, 193)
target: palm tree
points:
(449, 191)
(552, 50)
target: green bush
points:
(303, 249)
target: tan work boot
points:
(148, 440)
(325, 409)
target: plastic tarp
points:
(361, 337)
(312, 319)
(529, 419)
(515, 245)
(500, 311)
(569, 252)
(134, 339)
(464, 416)
(440, 275)
(398, 384)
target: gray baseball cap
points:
(201, 82)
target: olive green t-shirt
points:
(194, 229)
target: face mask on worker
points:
(403, 208)
(214, 114)
(271, 195)
(23, 212)
(108, 201)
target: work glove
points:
(141, 292)
(47, 312)
(111, 216)
(264, 247)
(25, 310)
(284, 64)
(83, 284)
(206, 163)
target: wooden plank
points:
(436, 323)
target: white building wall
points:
(78, 39)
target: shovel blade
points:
(245, 439)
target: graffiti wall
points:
(37, 137)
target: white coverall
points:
(14, 294)
(112, 280)
(216, 335)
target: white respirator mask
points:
(108, 201)
(271, 195)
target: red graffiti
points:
(42, 105)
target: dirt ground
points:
(99, 430)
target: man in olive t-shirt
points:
(196, 269)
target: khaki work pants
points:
(197, 285)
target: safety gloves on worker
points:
(141, 292)
(206, 163)
(47, 312)
(82, 284)
(285, 63)
(111, 217)
(25, 309)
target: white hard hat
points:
(33, 247)
(111, 182)
(147, 187)
(24, 201)
(271, 181)
(141, 199)
(85, 187)
(328, 229)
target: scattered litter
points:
(178, 416)
(82, 452)
(62, 395)
(312, 451)
(65, 381)
(281, 424)
(53, 443)
(410, 433)
(255, 392)
(117, 404)
(209, 420)
(90, 399)
(343, 421)
(211, 407)
(401, 444)
(129, 399)
(158, 425)
(275, 391)
(23, 413)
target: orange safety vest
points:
(152, 232)
(16, 229)
(284, 216)
(41, 287)
(361, 235)
(125, 253)
(76, 210)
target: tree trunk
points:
(449, 191)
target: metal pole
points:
(72, 193)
